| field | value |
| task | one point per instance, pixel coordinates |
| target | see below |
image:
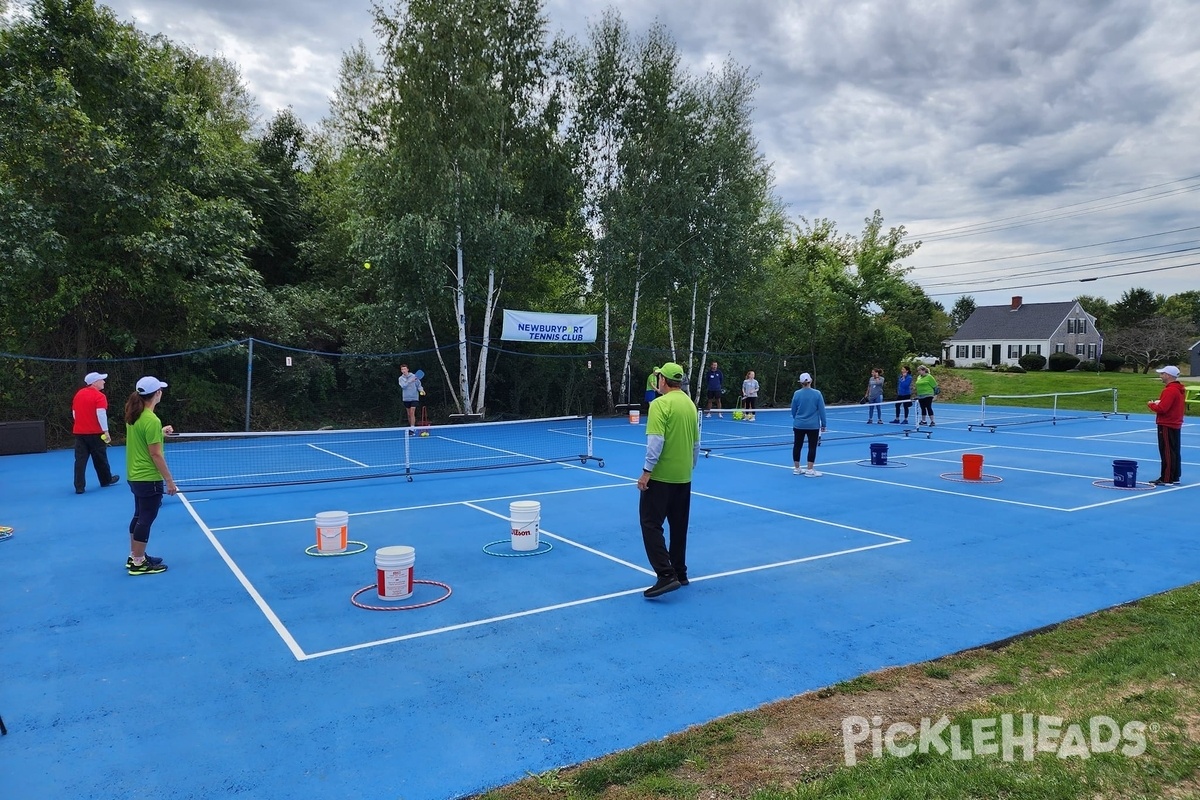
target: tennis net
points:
(211, 461)
(1000, 410)
(772, 427)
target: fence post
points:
(249, 381)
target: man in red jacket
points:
(90, 410)
(1168, 410)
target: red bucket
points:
(972, 467)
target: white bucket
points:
(394, 572)
(525, 517)
(332, 530)
(635, 416)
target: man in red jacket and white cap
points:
(1168, 411)
(90, 410)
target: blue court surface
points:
(245, 670)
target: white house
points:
(1002, 334)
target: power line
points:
(1058, 250)
(1086, 265)
(1049, 215)
(1058, 283)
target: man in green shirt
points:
(672, 448)
(651, 390)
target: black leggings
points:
(926, 404)
(798, 437)
(905, 403)
(748, 403)
(147, 500)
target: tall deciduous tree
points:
(121, 164)
(1099, 308)
(962, 310)
(1153, 341)
(1135, 306)
(467, 121)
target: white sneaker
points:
(811, 473)
(708, 415)
(797, 471)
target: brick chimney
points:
(1016, 302)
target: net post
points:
(589, 437)
(408, 453)
(983, 410)
(249, 381)
(1115, 401)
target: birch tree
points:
(465, 118)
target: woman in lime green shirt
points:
(926, 386)
(147, 471)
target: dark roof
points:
(1030, 321)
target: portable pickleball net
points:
(212, 461)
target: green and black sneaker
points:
(147, 567)
(152, 559)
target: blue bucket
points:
(879, 455)
(1125, 474)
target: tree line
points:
(469, 162)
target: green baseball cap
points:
(671, 371)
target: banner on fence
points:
(533, 326)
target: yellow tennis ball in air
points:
(366, 265)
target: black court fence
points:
(254, 385)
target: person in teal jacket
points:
(808, 423)
(926, 386)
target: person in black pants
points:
(89, 410)
(672, 447)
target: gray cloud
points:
(939, 114)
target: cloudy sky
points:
(1042, 148)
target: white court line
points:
(1044, 450)
(1133, 496)
(339, 455)
(565, 540)
(586, 600)
(1015, 469)
(897, 539)
(1142, 495)
(299, 654)
(911, 486)
(276, 623)
(430, 505)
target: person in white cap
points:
(808, 423)
(147, 469)
(1168, 416)
(89, 410)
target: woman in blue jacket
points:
(808, 423)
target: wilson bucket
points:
(524, 517)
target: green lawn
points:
(1133, 389)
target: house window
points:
(1091, 352)
(1059, 347)
(1014, 351)
(978, 351)
(1070, 326)
(960, 350)
(1081, 326)
(1079, 349)
(1033, 348)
